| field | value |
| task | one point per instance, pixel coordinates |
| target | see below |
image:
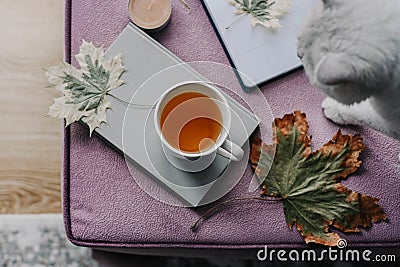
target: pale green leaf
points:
(85, 90)
(263, 12)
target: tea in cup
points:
(193, 120)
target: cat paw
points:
(332, 111)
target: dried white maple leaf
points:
(86, 89)
(263, 12)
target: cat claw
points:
(331, 110)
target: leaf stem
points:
(212, 209)
(186, 5)
(131, 104)
(233, 22)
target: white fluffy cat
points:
(351, 51)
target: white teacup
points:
(193, 120)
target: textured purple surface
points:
(103, 206)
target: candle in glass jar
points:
(150, 14)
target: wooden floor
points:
(31, 39)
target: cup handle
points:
(231, 151)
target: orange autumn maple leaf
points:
(309, 183)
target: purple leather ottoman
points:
(104, 207)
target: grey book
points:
(150, 69)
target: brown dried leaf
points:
(309, 183)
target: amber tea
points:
(191, 122)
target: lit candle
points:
(150, 15)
